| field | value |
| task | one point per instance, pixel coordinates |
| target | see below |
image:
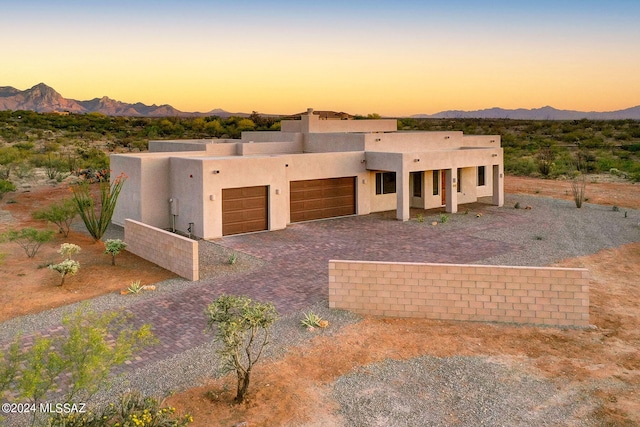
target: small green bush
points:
(68, 267)
(444, 218)
(113, 247)
(75, 363)
(6, 187)
(61, 213)
(29, 239)
(132, 410)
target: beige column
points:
(452, 190)
(402, 192)
(498, 185)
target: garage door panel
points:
(322, 198)
(244, 210)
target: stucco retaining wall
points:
(171, 251)
(535, 295)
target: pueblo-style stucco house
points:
(310, 169)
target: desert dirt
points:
(27, 286)
(295, 389)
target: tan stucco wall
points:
(258, 148)
(168, 250)
(313, 124)
(235, 172)
(178, 145)
(186, 186)
(146, 189)
(324, 143)
(270, 136)
(536, 295)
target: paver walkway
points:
(294, 275)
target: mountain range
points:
(544, 113)
(44, 99)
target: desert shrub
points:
(132, 410)
(233, 258)
(545, 158)
(97, 222)
(135, 287)
(6, 187)
(242, 326)
(9, 157)
(68, 267)
(61, 213)
(113, 247)
(29, 239)
(520, 166)
(92, 158)
(444, 218)
(578, 185)
(77, 362)
(312, 321)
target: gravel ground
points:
(460, 391)
(480, 391)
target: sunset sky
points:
(397, 57)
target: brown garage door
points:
(322, 198)
(244, 210)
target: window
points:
(417, 183)
(459, 180)
(481, 181)
(385, 182)
(436, 183)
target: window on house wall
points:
(417, 184)
(481, 180)
(459, 180)
(436, 183)
(385, 182)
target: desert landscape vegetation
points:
(596, 371)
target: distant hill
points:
(544, 113)
(44, 99)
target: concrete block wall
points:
(534, 295)
(168, 250)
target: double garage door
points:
(246, 209)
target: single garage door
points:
(244, 210)
(322, 198)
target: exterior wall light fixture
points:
(416, 160)
(447, 137)
(215, 172)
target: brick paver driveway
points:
(294, 275)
